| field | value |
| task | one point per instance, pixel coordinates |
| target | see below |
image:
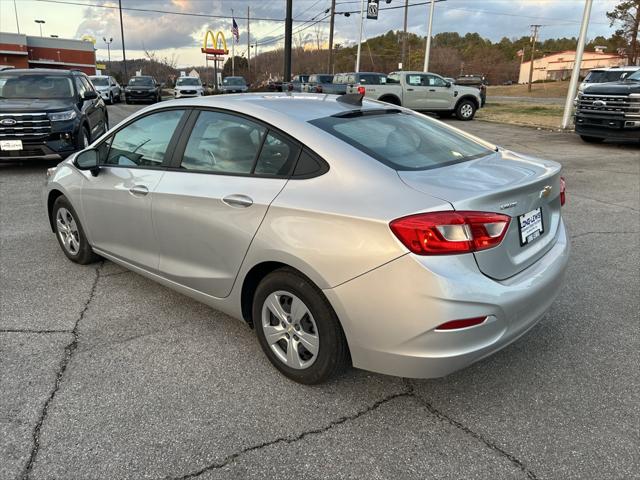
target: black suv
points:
(609, 111)
(48, 114)
(142, 89)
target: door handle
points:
(432, 89)
(409, 89)
(138, 190)
(238, 201)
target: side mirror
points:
(88, 160)
(448, 84)
(90, 95)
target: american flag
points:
(234, 30)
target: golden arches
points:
(216, 41)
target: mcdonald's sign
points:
(216, 43)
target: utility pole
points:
(427, 50)
(331, 23)
(233, 48)
(573, 84)
(404, 33)
(248, 45)
(15, 9)
(288, 24)
(534, 38)
(124, 56)
(360, 36)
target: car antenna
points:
(351, 99)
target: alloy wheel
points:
(68, 231)
(290, 330)
(466, 110)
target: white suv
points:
(605, 75)
(107, 87)
(188, 87)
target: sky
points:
(174, 32)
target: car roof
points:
(623, 68)
(42, 71)
(273, 107)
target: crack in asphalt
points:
(455, 423)
(232, 457)
(116, 274)
(602, 201)
(573, 237)
(408, 393)
(68, 353)
(27, 330)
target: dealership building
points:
(24, 51)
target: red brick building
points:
(23, 51)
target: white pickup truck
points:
(422, 91)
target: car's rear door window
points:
(277, 157)
(223, 143)
(403, 141)
(144, 142)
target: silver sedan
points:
(343, 231)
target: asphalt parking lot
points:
(105, 374)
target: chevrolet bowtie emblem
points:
(546, 191)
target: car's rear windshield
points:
(145, 81)
(634, 76)
(100, 81)
(234, 81)
(35, 86)
(324, 78)
(403, 141)
(188, 81)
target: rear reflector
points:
(563, 191)
(446, 233)
(457, 324)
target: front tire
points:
(297, 329)
(70, 233)
(111, 99)
(465, 110)
(588, 139)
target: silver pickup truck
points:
(422, 91)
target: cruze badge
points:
(504, 206)
(8, 122)
(546, 191)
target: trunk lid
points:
(504, 183)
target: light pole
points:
(576, 64)
(40, 23)
(360, 36)
(427, 50)
(108, 42)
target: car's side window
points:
(436, 81)
(81, 87)
(414, 80)
(144, 142)
(277, 156)
(87, 84)
(223, 143)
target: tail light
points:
(446, 233)
(361, 91)
(563, 191)
(318, 88)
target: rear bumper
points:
(389, 315)
(607, 127)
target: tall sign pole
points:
(288, 24)
(248, 43)
(331, 24)
(360, 36)
(124, 55)
(233, 48)
(427, 50)
(404, 33)
(575, 75)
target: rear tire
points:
(465, 110)
(70, 234)
(289, 314)
(111, 99)
(588, 139)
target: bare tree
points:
(627, 15)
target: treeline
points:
(452, 54)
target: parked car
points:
(142, 88)
(48, 114)
(423, 92)
(609, 110)
(605, 75)
(318, 83)
(339, 83)
(188, 87)
(262, 207)
(234, 85)
(478, 81)
(108, 88)
(297, 83)
(274, 86)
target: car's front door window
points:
(223, 143)
(144, 142)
